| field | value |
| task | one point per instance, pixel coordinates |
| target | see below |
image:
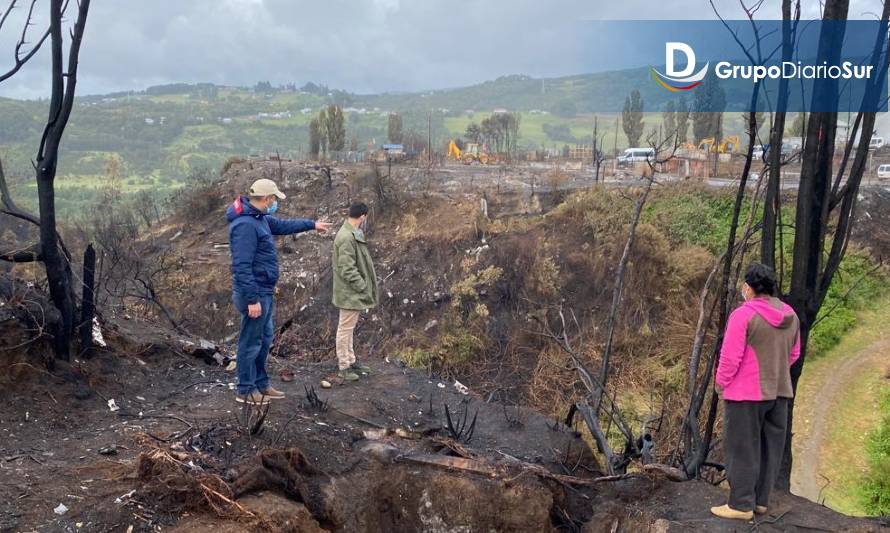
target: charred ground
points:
(471, 260)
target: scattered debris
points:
(204, 349)
(381, 451)
(112, 406)
(61, 509)
(126, 496)
(98, 339)
(108, 450)
(325, 384)
(461, 388)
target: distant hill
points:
(165, 132)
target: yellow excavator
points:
(472, 152)
(728, 145)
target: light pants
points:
(345, 329)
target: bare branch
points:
(20, 59)
(27, 255)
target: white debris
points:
(112, 406)
(98, 339)
(441, 385)
(389, 294)
(61, 509)
(460, 387)
(122, 497)
(405, 301)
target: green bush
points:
(874, 492)
(417, 358)
(855, 287)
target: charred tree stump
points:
(87, 308)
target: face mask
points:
(272, 208)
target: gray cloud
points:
(357, 45)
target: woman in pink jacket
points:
(761, 343)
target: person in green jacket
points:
(355, 287)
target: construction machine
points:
(727, 145)
(472, 152)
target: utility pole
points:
(615, 146)
(595, 161)
(429, 138)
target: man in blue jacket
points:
(254, 275)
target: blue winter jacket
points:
(254, 257)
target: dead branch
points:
(20, 56)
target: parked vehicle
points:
(790, 152)
(759, 151)
(875, 143)
(884, 171)
(636, 155)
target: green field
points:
(164, 133)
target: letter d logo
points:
(679, 80)
(670, 50)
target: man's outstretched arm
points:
(296, 225)
(290, 226)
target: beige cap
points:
(265, 187)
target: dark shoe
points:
(360, 368)
(255, 398)
(347, 375)
(272, 393)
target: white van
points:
(635, 155)
(759, 150)
(884, 171)
(875, 143)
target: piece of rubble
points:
(61, 509)
(98, 338)
(112, 405)
(381, 451)
(325, 384)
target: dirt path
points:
(824, 395)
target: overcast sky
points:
(356, 45)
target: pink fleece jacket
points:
(761, 343)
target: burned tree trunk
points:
(88, 301)
(771, 200)
(56, 258)
(824, 208)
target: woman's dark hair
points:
(357, 209)
(761, 278)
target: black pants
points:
(754, 441)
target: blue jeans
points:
(253, 345)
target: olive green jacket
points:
(355, 282)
